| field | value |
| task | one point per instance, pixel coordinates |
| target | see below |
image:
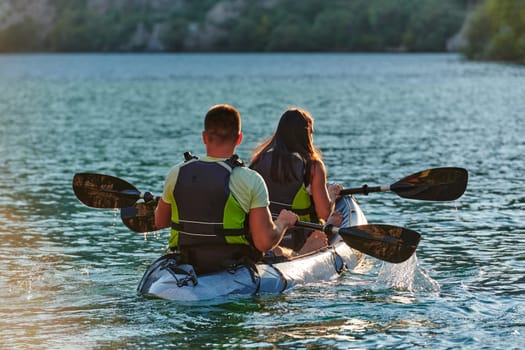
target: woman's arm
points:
(323, 200)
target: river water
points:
(68, 273)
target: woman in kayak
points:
(295, 175)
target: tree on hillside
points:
(496, 31)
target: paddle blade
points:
(140, 217)
(438, 184)
(104, 191)
(385, 242)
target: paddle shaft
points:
(364, 190)
(331, 229)
(438, 184)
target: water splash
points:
(408, 276)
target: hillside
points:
(229, 25)
(496, 32)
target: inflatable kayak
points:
(167, 279)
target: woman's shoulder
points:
(317, 164)
(317, 168)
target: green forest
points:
(495, 29)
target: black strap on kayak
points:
(333, 238)
(338, 258)
(162, 263)
(245, 262)
(176, 269)
(283, 278)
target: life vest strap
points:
(217, 230)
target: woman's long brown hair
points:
(293, 135)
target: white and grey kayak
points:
(168, 280)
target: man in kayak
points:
(295, 175)
(217, 208)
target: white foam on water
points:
(408, 275)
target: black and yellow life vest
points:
(291, 195)
(205, 211)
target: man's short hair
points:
(222, 123)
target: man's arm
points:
(163, 211)
(266, 233)
(163, 215)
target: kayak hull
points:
(168, 280)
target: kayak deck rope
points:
(186, 270)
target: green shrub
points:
(496, 31)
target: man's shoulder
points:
(245, 172)
(249, 188)
(176, 167)
(174, 171)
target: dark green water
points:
(68, 273)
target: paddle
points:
(105, 191)
(438, 184)
(140, 217)
(385, 242)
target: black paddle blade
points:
(438, 184)
(140, 217)
(385, 242)
(104, 191)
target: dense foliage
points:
(284, 25)
(496, 31)
(342, 25)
